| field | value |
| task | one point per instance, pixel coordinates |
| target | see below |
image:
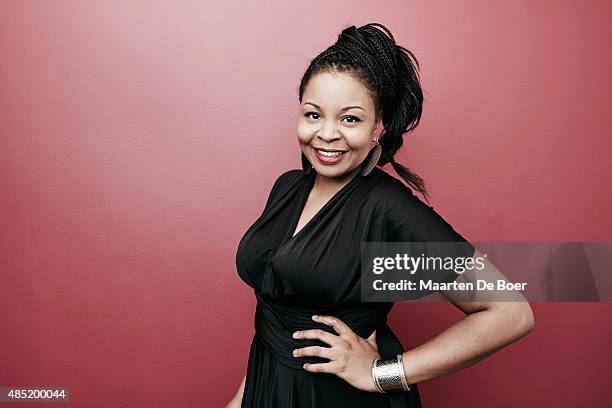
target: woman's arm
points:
(486, 328)
(236, 402)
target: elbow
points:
(518, 319)
(526, 320)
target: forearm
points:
(237, 399)
(474, 337)
(240, 392)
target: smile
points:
(329, 156)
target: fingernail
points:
(295, 352)
(315, 316)
(296, 334)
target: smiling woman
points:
(316, 343)
(335, 135)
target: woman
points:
(316, 343)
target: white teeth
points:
(329, 154)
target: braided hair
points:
(386, 70)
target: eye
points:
(310, 113)
(355, 118)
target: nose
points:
(328, 133)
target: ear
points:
(378, 129)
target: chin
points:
(331, 172)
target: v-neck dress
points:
(317, 271)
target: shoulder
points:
(407, 217)
(288, 178)
(284, 182)
(290, 175)
(390, 192)
(397, 204)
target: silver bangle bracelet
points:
(388, 374)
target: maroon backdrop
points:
(139, 141)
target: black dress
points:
(317, 271)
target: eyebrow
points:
(343, 109)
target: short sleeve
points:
(408, 219)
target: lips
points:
(329, 150)
(329, 153)
(329, 156)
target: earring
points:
(372, 159)
(306, 166)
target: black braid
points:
(386, 69)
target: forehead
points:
(336, 88)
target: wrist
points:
(388, 374)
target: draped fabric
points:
(317, 271)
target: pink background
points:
(139, 141)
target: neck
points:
(332, 184)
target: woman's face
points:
(336, 115)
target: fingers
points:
(319, 334)
(318, 351)
(339, 326)
(320, 367)
(372, 338)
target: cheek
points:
(303, 137)
(305, 132)
(359, 141)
